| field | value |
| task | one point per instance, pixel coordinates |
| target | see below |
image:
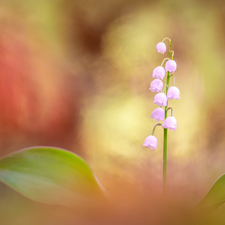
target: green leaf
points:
(52, 176)
(214, 198)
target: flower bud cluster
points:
(164, 94)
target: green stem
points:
(173, 79)
(170, 108)
(170, 49)
(172, 52)
(165, 146)
(165, 138)
(164, 88)
(164, 61)
(166, 38)
(158, 124)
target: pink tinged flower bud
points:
(150, 142)
(161, 47)
(171, 66)
(156, 85)
(158, 114)
(159, 72)
(160, 99)
(173, 92)
(170, 122)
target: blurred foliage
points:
(75, 74)
(51, 176)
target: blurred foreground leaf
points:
(52, 176)
(214, 198)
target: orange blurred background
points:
(75, 74)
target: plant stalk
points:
(165, 138)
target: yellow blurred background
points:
(75, 74)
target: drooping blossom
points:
(173, 92)
(170, 123)
(158, 114)
(150, 142)
(159, 72)
(161, 47)
(171, 66)
(156, 85)
(160, 99)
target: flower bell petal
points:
(158, 114)
(170, 123)
(159, 72)
(171, 66)
(150, 142)
(160, 99)
(173, 92)
(156, 85)
(161, 47)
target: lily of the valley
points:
(156, 85)
(170, 123)
(171, 66)
(158, 114)
(160, 99)
(159, 72)
(173, 92)
(150, 142)
(161, 47)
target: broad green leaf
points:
(214, 198)
(52, 176)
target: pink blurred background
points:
(75, 75)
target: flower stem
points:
(173, 79)
(170, 108)
(164, 61)
(165, 146)
(158, 124)
(166, 38)
(165, 138)
(164, 88)
(172, 52)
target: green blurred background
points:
(75, 74)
